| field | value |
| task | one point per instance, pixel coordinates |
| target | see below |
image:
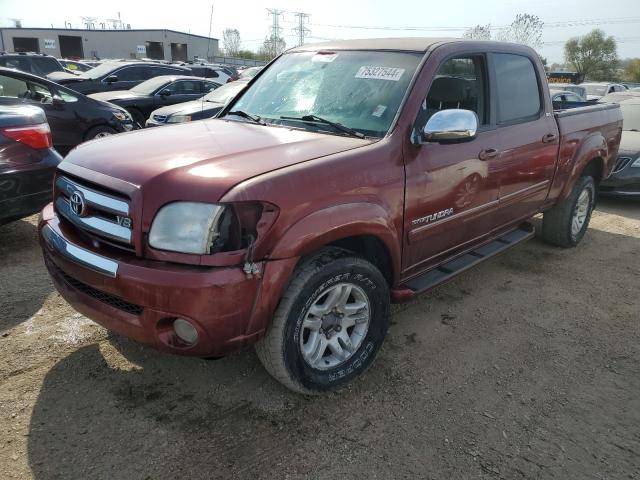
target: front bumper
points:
(625, 183)
(140, 299)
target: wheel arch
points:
(590, 158)
(366, 229)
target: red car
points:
(346, 176)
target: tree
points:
(272, 47)
(594, 55)
(479, 32)
(525, 29)
(231, 40)
(632, 70)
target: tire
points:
(329, 273)
(99, 132)
(558, 224)
(137, 116)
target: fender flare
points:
(593, 147)
(338, 222)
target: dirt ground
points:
(525, 367)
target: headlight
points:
(636, 162)
(121, 116)
(186, 227)
(179, 119)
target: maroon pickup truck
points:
(346, 176)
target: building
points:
(78, 43)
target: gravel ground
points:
(525, 367)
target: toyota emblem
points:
(76, 202)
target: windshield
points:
(631, 116)
(224, 93)
(149, 86)
(361, 90)
(100, 70)
(593, 89)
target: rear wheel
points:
(330, 324)
(100, 132)
(566, 223)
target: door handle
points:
(488, 153)
(549, 138)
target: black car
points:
(35, 63)
(625, 179)
(73, 117)
(110, 76)
(206, 107)
(144, 98)
(27, 162)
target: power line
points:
(301, 30)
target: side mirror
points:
(111, 78)
(165, 93)
(451, 126)
(57, 100)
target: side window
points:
(517, 88)
(132, 74)
(15, 63)
(13, 88)
(211, 73)
(572, 97)
(185, 87)
(460, 83)
(67, 97)
(45, 65)
(210, 87)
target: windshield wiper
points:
(248, 116)
(316, 119)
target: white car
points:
(595, 91)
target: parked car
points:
(110, 76)
(74, 66)
(27, 162)
(206, 107)
(35, 63)
(206, 70)
(569, 87)
(73, 117)
(595, 91)
(625, 179)
(562, 99)
(142, 99)
(250, 72)
(327, 188)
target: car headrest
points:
(448, 89)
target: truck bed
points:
(587, 117)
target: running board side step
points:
(450, 269)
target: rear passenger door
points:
(528, 136)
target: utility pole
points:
(275, 28)
(301, 30)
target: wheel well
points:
(594, 169)
(371, 249)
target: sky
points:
(335, 19)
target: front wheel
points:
(100, 132)
(566, 223)
(330, 324)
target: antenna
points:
(89, 22)
(209, 37)
(301, 30)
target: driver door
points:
(451, 188)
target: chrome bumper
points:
(63, 247)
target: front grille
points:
(160, 118)
(93, 212)
(621, 163)
(99, 295)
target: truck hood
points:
(203, 160)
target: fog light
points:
(185, 331)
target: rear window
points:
(517, 88)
